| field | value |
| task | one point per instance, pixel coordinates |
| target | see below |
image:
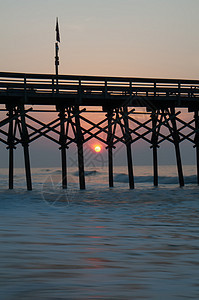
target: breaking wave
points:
(122, 177)
(88, 173)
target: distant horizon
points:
(70, 167)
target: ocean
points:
(99, 243)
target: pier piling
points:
(11, 148)
(127, 138)
(25, 144)
(176, 142)
(62, 141)
(196, 140)
(80, 151)
(154, 140)
(110, 147)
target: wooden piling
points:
(110, 147)
(11, 149)
(11, 168)
(177, 147)
(62, 141)
(196, 117)
(154, 140)
(64, 167)
(27, 167)
(25, 144)
(128, 148)
(79, 141)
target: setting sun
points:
(98, 148)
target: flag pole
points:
(57, 66)
(57, 55)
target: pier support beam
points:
(177, 147)
(79, 141)
(25, 144)
(196, 140)
(154, 140)
(11, 148)
(110, 147)
(127, 138)
(62, 142)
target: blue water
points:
(100, 243)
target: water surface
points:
(100, 243)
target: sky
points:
(134, 38)
(137, 38)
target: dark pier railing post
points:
(25, 144)
(11, 148)
(154, 140)
(110, 147)
(177, 147)
(128, 148)
(79, 141)
(62, 141)
(196, 140)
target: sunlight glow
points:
(97, 148)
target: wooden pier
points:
(117, 97)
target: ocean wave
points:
(124, 178)
(57, 171)
(121, 177)
(87, 173)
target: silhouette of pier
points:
(118, 97)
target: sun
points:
(97, 148)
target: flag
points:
(57, 32)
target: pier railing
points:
(35, 84)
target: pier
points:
(73, 97)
